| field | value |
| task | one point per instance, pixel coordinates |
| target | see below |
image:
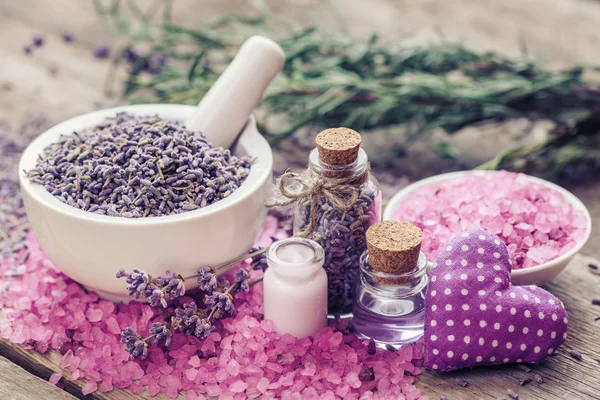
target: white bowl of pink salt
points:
(90, 242)
(542, 224)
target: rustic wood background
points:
(65, 80)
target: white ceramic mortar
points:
(91, 248)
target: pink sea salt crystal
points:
(153, 390)
(113, 325)
(262, 385)
(194, 361)
(352, 379)
(136, 388)
(66, 359)
(213, 389)
(238, 386)
(93, 314)
(106, 386)
(54, 378)
(233, 368)
(335, 340)
(89, 387)
(191, 374)
(132, 370)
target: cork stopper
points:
(338, 146)
(394, 246)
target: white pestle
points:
(226, 107)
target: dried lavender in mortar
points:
(131, 166)
(342, 236)
(13, 222)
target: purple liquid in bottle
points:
(390, 313)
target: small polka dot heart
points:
(475, 316)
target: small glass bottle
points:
(342, 167)
(295, 287)
(389, 305)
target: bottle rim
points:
(295, 267)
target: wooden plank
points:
(18, 384)
(565, 377)
(44, 365)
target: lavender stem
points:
(223, 268)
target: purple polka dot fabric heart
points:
(475, 316)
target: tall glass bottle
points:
(345, 201)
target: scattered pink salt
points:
(524, 213)
(242, 358)
(233, 368)
(93, 314)
(54, 378)
(89, 387)
(194, 361)
(113, 325)
(238, 386)
(191, 374)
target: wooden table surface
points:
(65, 80)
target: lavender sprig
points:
(161, 290)
(189, 319)
(156, 290)
(135, 345)
(162, 334)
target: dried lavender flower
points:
(186, 318)
(37, 40)
(575, 354)
(462, 382)
(172, 285)
(259, 261)
(27, 49)
(390, 348)
(102, 52)
(366, 374)
(135, 167)
(241, 280)
(524, 368)
(207, 280)
(162, 334)
(68, 37)
(203, 329)
(221, 302)
(157, 291)
(596, 302)
(134, 344)
(443, 397)
(371, 347)
(523, 382)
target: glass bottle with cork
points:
(337, 199)
(389, 304)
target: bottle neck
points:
(393, 285)
(358, 167)
(295, 259)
